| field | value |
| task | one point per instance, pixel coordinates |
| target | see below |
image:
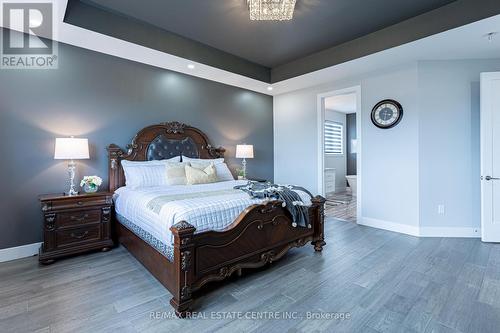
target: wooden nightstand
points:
(75, 224)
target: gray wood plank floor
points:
(385, 281)
(341, 206)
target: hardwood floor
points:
(386, 282)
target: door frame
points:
(320, 151)
(486, 155)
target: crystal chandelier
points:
(271, 10)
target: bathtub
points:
(351, 180)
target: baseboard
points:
(18, 252)
(450, 232)
(390, 226)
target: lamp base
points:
(71, 171)
(71, 193)
(244, 168)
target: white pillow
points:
(223, 172)
(203, 160)
(172, 159)
(176, 173)
(147, 173)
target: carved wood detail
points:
(174, 127)
(265, 258)
(185, 260)
(50, 221)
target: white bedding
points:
(204, 213)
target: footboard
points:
(261, 234)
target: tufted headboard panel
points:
(162, 147)
(157, 142)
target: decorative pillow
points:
(176, 173)
(199, 176)
(223, 172)
(141, 174)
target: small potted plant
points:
(91, 184)
(240, 173)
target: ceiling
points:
(465, 41)
(225, 24)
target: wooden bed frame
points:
(260, 235)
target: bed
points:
(188, 236)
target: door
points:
(490, 157)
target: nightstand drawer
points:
(65, 203)
(78, 218)
(67, 237)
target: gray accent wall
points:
(351, 135)
(107, 100)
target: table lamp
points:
(71, 149)
(244, 151)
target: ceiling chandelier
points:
(271, 10)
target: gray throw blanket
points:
(286, 193)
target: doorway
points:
(339, 152)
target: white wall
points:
(339, 162)
(449, 141)
(430, 158)
(390, 156)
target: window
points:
(334, 138)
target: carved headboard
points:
(159, 142)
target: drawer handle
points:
(79, 236)
(79, 219)
(80, 203)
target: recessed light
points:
(191, 66)
(270, 88)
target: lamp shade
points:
(71, 149)
(244, 151)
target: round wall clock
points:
(387, 114)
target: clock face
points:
(387, 114)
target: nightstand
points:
(75, 224)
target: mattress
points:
(149, 212)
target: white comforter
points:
(205, 213)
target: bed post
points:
(183, 260)
(114, 155)
(318, 202)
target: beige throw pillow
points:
(176, 173)
(200, 176)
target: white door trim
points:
(321, 157)
(489, 231)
